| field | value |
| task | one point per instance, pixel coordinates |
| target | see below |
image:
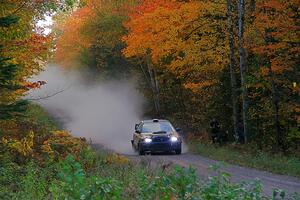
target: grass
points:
(244, 156)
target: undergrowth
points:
(277, 163)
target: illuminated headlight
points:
(148, 140)
(174, 139)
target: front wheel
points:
(141, 152)
(178, 151)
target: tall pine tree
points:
(8, 72)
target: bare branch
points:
(48, 96)
(19, 8)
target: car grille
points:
(160, 139)
(160, 147)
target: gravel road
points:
(201, 164)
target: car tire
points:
(178, 151)
(141, 152)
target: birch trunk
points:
(154, 87)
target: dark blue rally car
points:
(156, 135)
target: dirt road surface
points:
(238, 174)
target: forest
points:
(195, 61)
(199, 60)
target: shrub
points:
(73, 183)
(61, 143)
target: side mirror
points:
(178, 129)
(136, 126)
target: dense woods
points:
(198, 61)
(231, 62)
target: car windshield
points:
(152, 127)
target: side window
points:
(140, 127)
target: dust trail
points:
(104, 112)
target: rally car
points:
(156, 135)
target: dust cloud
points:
(103, 112)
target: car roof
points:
(154, 120)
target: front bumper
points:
(160, 146)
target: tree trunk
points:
(275, 101)
(252, 6)
(232, 69)
(156, 93)
(241, 21)
(154, 87)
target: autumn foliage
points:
(193, 38)
(182, 50)
(186, 58)
(73, 41)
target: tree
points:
(275, 35)
(184, 54)
(8, 107)
(23, 52)
(192, 47)
(71, 42)
(20, 41)
(233, 81)
(8, 72)
(242, 55)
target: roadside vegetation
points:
(247, 156)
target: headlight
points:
(174, 139)
(148, 140)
